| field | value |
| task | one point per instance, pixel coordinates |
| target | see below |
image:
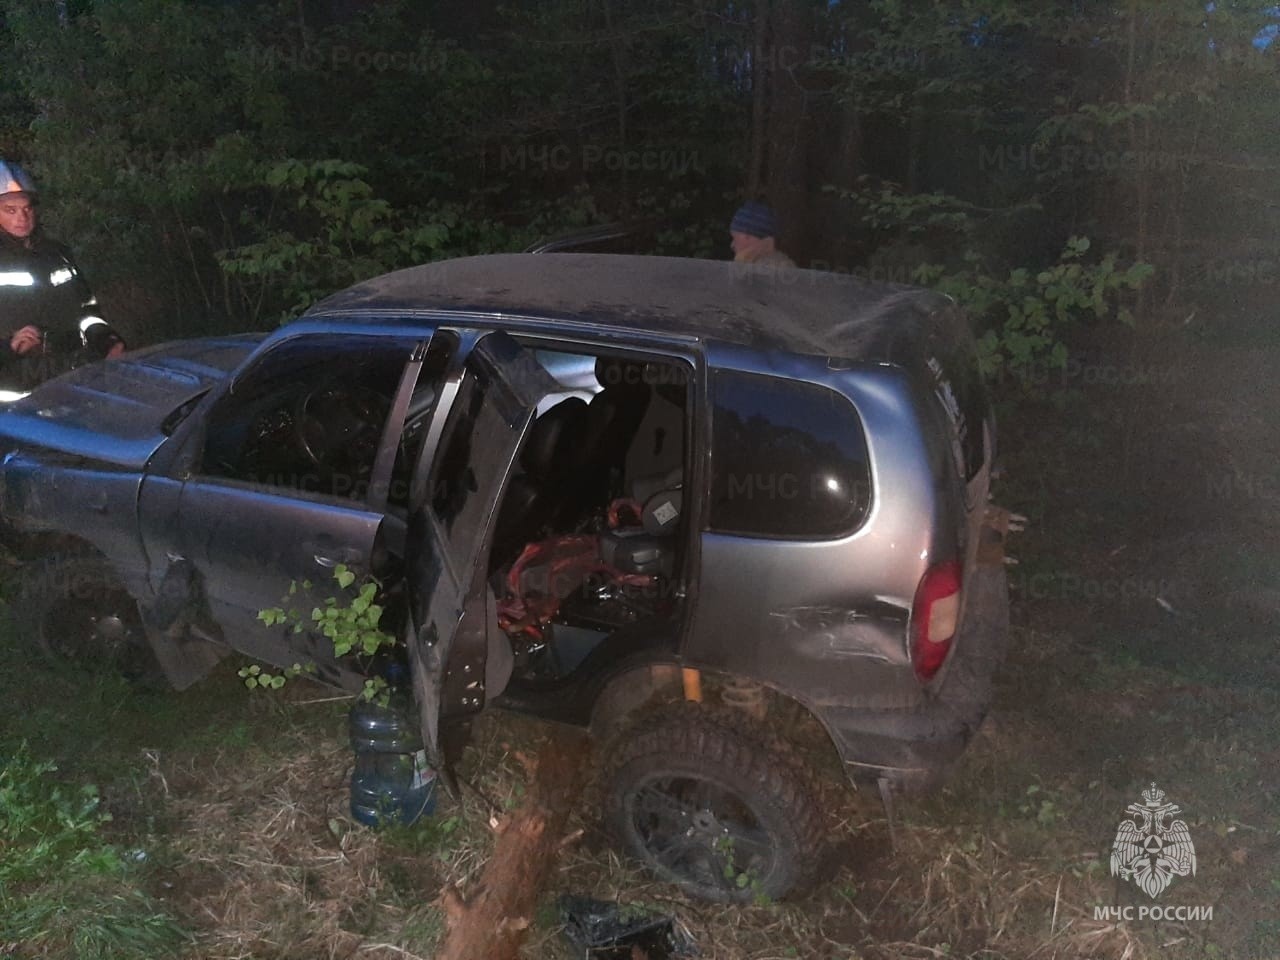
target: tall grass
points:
(65, 892)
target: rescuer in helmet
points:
(46, 306)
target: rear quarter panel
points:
(825, 621)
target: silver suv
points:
(677, 501)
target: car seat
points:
(639, 538)
(539, 495)
(613, 417)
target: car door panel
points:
(246, 542)
(451, 615)
(249, 546)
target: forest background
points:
(221, 164)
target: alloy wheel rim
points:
(702, 835)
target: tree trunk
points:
(789, 127)
(492, 922)
(1142, 179)
(759, 103)
(620, 91)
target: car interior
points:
(304, 422)
(588, 536)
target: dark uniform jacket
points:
(41, 286)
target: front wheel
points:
(75, 611)
(712, 804)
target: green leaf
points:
(1137, 273)
(278, 174)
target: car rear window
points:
(788, 459)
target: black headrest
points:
(554, 435)
(615, 374)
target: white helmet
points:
(13, 179)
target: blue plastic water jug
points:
(392, 781)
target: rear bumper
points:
(914, 746)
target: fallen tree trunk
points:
(491, 922)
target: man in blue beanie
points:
(753, 231)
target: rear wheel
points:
(712, 804)
(75, 611)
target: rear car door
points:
(289, 478)
(465, 466)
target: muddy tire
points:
(707, 800)
(75, 612)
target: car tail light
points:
(935, 616)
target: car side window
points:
(788, 459)
(309, 417)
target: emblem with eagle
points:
(1151, 849)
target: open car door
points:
(485, 411)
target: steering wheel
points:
(340, 425)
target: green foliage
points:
(227, 165)
(350, 620)
(218, 166)
(255, 677)
(742, 879)
(913, 57)
(46, 826)
(1025, 314)
(63, 889)
(1042, 806)
(886, 207)
(438, 837)
(327, 230)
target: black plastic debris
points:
(605, 930)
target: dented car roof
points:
(804, 311)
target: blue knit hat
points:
(755, 219)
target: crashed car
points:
(695, 506)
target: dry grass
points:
(265, 862)
(946, 891)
